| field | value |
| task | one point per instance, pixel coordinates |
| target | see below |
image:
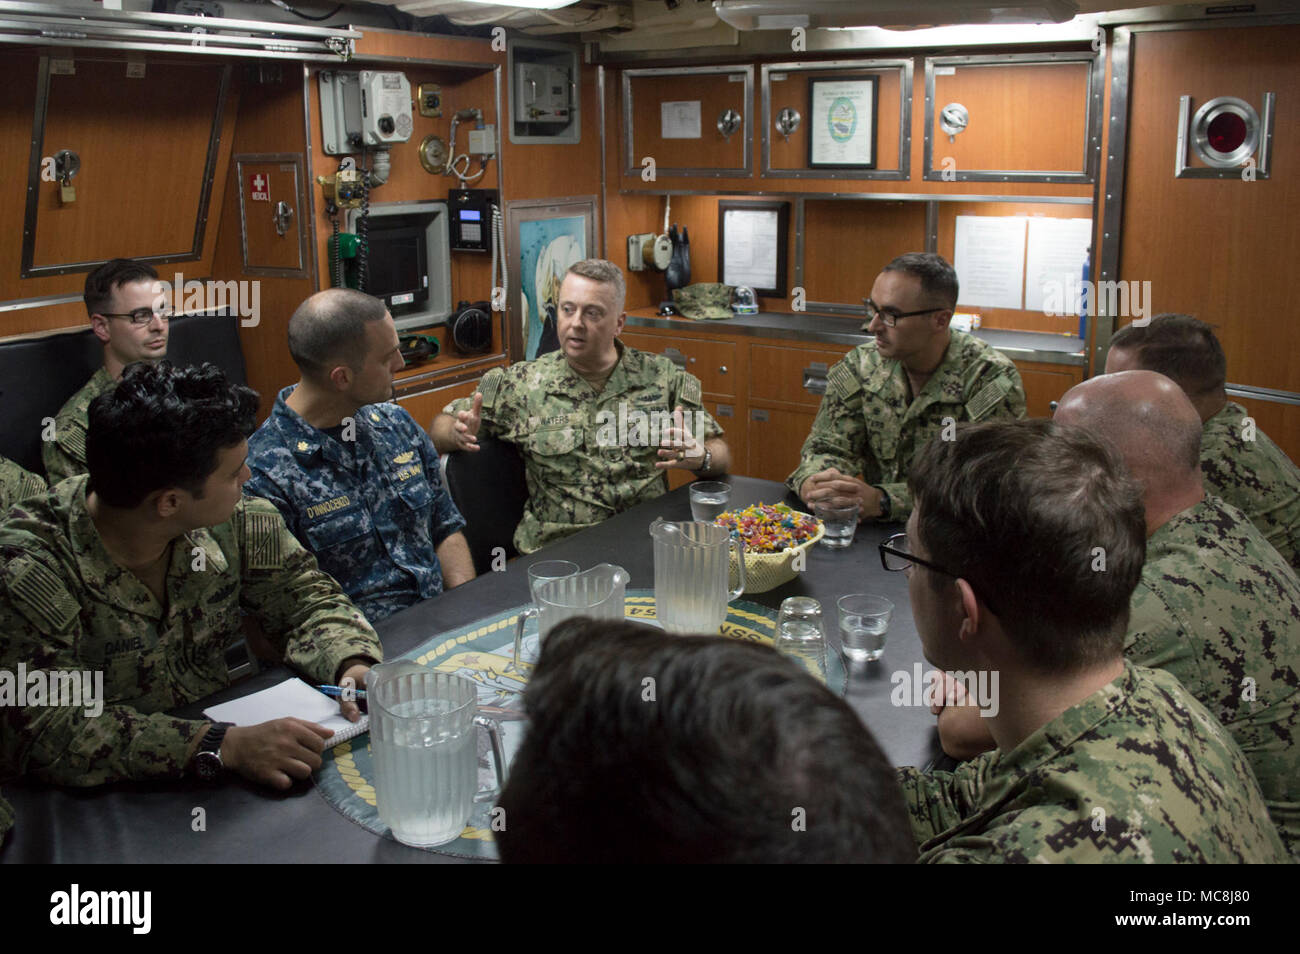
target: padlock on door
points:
(66, 165)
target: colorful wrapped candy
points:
(770, 528)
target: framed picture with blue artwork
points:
(842, 123)
(547, 236)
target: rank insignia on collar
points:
(404, 458)
(302, 445)
(374, 416)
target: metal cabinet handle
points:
(722, 369)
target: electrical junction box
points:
(483, 142)
(542, 93)
(365, 108)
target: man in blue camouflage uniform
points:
(1238, 460)
(1098, 759)
(890, 395)
(137, 572)
(357, 480)
(597, 423)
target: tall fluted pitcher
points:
(691, 594)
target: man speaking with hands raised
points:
(597, 423)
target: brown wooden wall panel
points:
(425, 46)
(1281, 422)
(149, 151)
(1010, 318)
(544, 171)
(847, 243)
(715, 92)
(1045, 383)
(135, 196)
(1223, 250)
(1023, 116)
(270, 120)
(793, 92)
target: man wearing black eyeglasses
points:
(890, 395)
(129, 315)
(1022, 552)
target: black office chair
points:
(488, 488)
(37, 375)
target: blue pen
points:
(336, 692)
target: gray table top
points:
(152, 822)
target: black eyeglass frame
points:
(886, 548)
(164, 315)
(888, 318)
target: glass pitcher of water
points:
(597, 593)
(691, 564)
(424, 745)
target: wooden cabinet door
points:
(775, 438)
(791, 375)
(427, 405)
(1045, 383)
(713, 361)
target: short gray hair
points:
(603, 271)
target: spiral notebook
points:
(293, 697)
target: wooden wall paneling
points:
(1023, 116)
(17, 105)
(1045, 383)
(1222, 250)
(793, 92)
(1281, 422)
(544, 171)
(847, 243)
(1010, 318)
(776, 371)
(377, 42)
(715, 92)
(270, 120)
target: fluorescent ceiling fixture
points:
(528, 4)
(785, 14)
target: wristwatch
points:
(708, 462)
(207, 760)
(886, 505)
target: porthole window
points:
(1225, 132)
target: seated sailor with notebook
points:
(138, 571)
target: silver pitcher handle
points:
(498, 758)
(739, 541)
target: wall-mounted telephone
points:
(471, 219)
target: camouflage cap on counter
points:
(703, 300)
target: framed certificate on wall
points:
(752, 240)
(842, 123)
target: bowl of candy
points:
(777, 539)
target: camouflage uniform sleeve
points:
(6, 819)
(495, 388)
(839, 433)
(995, 392)
(304, 612)
(72, 745)
(59, 464)
(938, 801)
(686, 390)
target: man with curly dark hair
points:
(138, 571)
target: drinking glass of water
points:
(801, 635)
(841, 520)
(864, 620)
(708, 499)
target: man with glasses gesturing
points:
(889, 396)
(128, 315)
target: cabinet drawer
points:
(791, 375)
(713, 362)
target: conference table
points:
(154, 822)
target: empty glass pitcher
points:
(691, 562)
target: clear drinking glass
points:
(864, 620)
(708, 499)
(801, 635)
(841, 520)
(541, 572)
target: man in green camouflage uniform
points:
(889, 396)
(1097, 759)
(16, 484)
(1217, 606)
(596, 422)
(147, 589)
(128, 314)
(1238, 461)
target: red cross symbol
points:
(259, 188)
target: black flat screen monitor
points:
(398, 265)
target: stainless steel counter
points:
(836, 329)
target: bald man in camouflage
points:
(1238, 460)
(1097, 759)
(892, 394)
